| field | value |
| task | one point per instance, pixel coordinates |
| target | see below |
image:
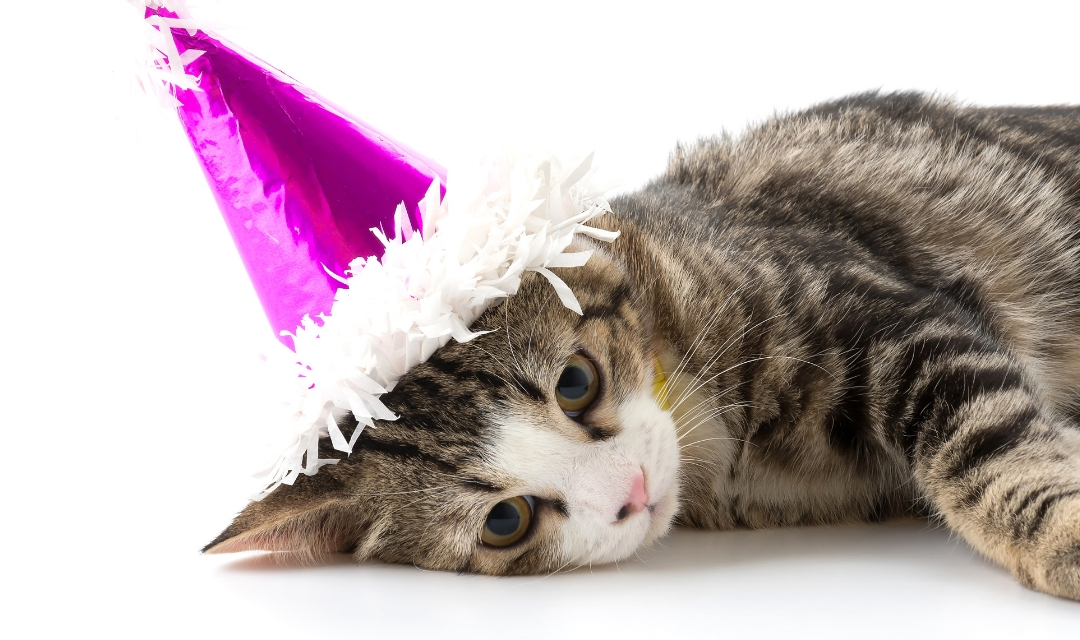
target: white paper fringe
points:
(164, 71)
(428, 287)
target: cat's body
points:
(865, 310)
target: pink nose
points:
(638, 499)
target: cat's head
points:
(537, 446)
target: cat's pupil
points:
(504, 519)
(574, 383)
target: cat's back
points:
(875, 146)
(929, 188)
(981, 204)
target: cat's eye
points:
(577, 386)
(508, 521)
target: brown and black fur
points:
(876, 304)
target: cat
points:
(866, 310)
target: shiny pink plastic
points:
(299, 182)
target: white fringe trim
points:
(163, 71)
(427, 288)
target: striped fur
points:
(864, 310)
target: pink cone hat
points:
(300, 182)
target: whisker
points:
(464, 480)
(691, 389)
(690, 444)
(528, 349)
(704, 404)
(708, 325)
(408, 504)
(714, 414)
(637, 296)
(701, 334)
(560, 568)
(700, 414)
(506, 314)
(399, 493)
(746, 362)
(505, 368)
(696, 463)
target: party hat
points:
(335, 221)
(299, 182)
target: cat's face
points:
(537, 446)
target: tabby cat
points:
(866, 310)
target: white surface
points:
(129, 321)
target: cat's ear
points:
(311, 516)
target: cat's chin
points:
(652, 523)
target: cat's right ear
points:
(311, 516)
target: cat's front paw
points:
(1057, 574)
(1053, 566)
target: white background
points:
(132, 388)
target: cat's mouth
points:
(649, 500)
(660, 514)
(662, 504)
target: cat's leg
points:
(999, 466)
